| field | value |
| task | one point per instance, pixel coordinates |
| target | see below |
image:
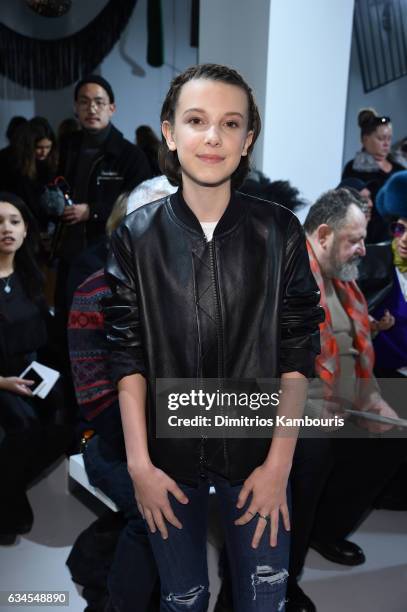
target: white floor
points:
(37, 560)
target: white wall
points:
(387, 100)
(307, 75)
(235, 33)
(139, 88)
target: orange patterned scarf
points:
(327, 364)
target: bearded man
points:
(336, 479)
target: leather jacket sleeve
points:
(301, 313)
(121, 310)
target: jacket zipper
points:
(219, 331)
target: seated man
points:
(336, 480)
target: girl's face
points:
(209, 132)
(379, 142)
(12, 229)
(43, 149)
(401, 241)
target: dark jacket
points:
(376, 274)
(242, 306)
(377, 229)
(119, 168)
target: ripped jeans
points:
(259, 576)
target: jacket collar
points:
(234, 212)
(111, 146)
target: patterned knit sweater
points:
(88, 348)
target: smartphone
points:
(32, 374)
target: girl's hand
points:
(151, 486)
(268, 487)
(16, 385)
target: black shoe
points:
(16, 517)
(297, 600)
(391, 502)
(340, 551)
(7, 539)
(23, 516)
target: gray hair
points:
(149, 191)
(331, 208)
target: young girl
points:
(210, 283)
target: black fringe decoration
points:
(54, 64)
(155, 39)
(194, 38)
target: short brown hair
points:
(168, 160)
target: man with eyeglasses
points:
(99, 164)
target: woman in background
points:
(149, 143)
(30, 439)
(383, 278)
(373, 164)
(33, 164)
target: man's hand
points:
(151, 486)
(76, 213)
(14, 384)
(375, 403)
(268, 488)
(386, 322)
(319, 407)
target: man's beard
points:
(348, 271)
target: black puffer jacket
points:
(242, 306)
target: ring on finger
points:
(252, 513)
(264, 517)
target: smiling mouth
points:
(211, 159)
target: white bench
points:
(78, 473)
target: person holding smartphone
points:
(30, 440)
(210, 283)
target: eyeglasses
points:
(397, 229)
(98, 103)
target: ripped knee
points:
(269, 577)
(189, 598)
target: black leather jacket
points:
(242, 306)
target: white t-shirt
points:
(208, 228)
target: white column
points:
(235, 33)
(307, 79)
(295, 54)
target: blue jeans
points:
(259, 575)
(133, 573)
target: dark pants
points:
(312, 464)
(361, 470)
(32, 438)
(259, 576)
(133, 573)
(334, 484)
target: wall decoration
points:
(56, 63)
(50, 8)
(381, 36)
